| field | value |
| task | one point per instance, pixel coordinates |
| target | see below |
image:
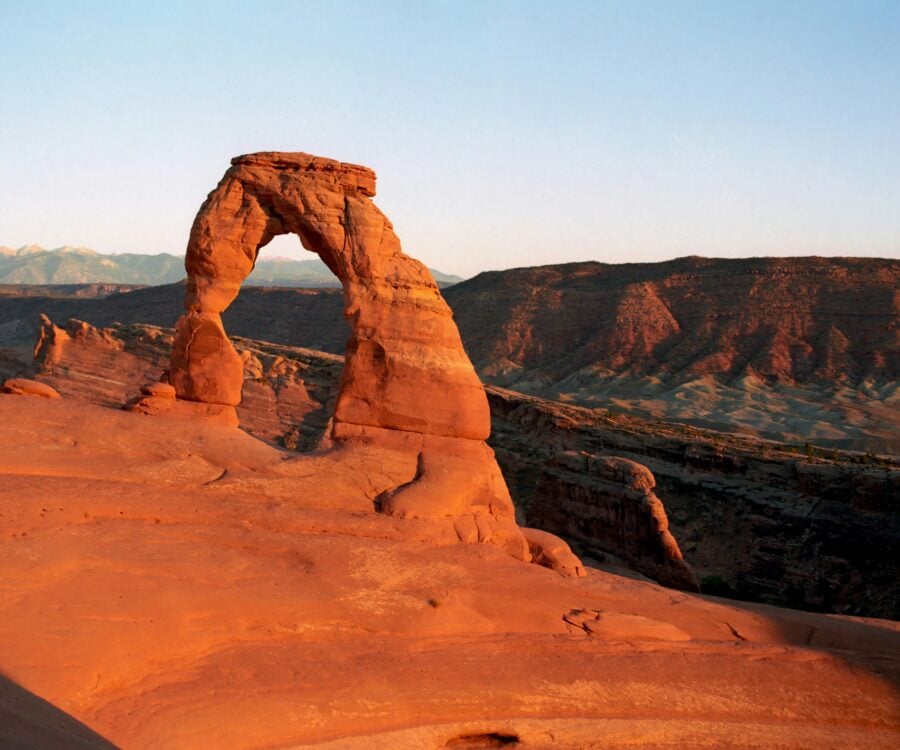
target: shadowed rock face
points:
(607, 504)
(406, 367)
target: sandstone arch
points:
(406, 367)
(407, 387)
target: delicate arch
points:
(405, 368)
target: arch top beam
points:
(349, 176)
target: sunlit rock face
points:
(406, 366)
(407, 383)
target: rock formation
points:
(790, 349)
(171, 584)
(28, 387)
(784, 348)
(406, 368)
(606, 504)
(288, 392)
(407, 382)
(756, 520)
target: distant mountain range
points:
(33, 264)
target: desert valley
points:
(282, 516)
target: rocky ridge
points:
(795, 320)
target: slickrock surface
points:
(606, 504)
(27, 387)
(177, 584)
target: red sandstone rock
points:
(407, 383)
(551, 551)
(620, 626)
(159, 390)
(737, 507)
(159, 405)
(406, 368)
(50, 339)
(26, 387)
(807, 320)
(177, 584)
(607, 504)
(205, 367)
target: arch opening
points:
(288, 394)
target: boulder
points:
(552, 552)
(26, 387)
(159, 390)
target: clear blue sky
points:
(503, 133)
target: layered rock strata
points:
(756, 520)
(607, 505)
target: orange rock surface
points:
(178, 584)
(28, 387)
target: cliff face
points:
(607, 505)
(755, 519)
(796, 349)
(792, 319)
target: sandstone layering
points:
(607, 504)
(790, 349)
